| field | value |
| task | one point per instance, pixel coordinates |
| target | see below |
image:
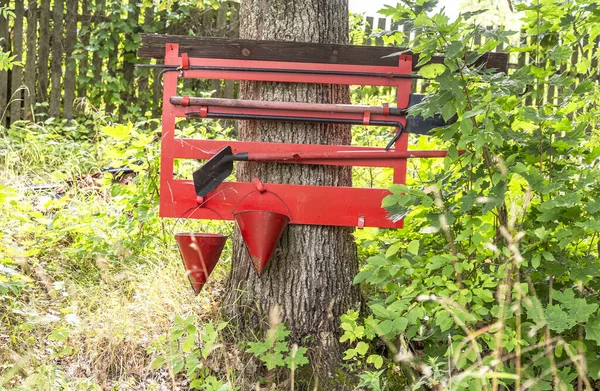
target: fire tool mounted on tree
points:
(263, 211)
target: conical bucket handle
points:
(193, 210)
(260, 192)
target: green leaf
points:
(423, 20)
(376, 360)
(579, 310)
(258, 348)
(118, 132)
(158, 362)
(400, 324)
(453, 49)
(536, 261)
(393, 249)
(389, 200)
(535, 311)
(178, 367)
(398, 189)
(379, 311)
(362, 348)
(350, 353)
(473, 113)
(583, 65)
(431, 71)
(297, 359)
(189, 343)
(560, 53)
(557, 319)
(444, 320)
(384, 327)
(413, 247)
(541, 232)
(592, 329)
(558, 350)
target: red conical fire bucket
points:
(200, 253)
(261, 230)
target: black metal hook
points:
(396, 137)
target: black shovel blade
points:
(213, 172)
(419, 125)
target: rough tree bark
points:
(310, 275)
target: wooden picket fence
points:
(58, 67)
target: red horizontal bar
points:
(205, 149)
(315, 205)
(291, 78)
(403, 68)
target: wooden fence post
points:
(70, 64)
(84, 41)
(381, 26)
(57, 58)
(5, 44)
(43, 51)
(30, 58)
(144, 81)
(129, 57)
(16, 84)
(97, 60)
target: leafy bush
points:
(492, 281)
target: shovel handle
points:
(341, 155)
(292, 106)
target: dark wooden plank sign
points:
(153, 46)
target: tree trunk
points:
(56, 63)
(16, 96)
(70, 65)
(30, 60)
(310, 276)
(43, 51)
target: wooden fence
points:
(84, 51)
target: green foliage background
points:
(493, 280)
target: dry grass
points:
(114, 317)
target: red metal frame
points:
(320, 205)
